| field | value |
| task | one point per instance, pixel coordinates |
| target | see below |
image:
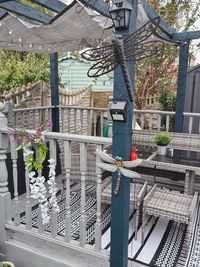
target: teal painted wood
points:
(54, 91)
(74, 75)
(152, 14)
(2, 13)
(25, 11)
(100, 6)
(122, 143)
(184, 36)
(181, 88)
(55, 5)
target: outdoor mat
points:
(193, 259)
(164, 240)
(75, 200)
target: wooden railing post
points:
(5, 198)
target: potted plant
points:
(162, 140)
(6, 264)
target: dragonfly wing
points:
(107, 167)
(132, 163)
(129, 173)
(148, 49)
(102, 67)
(133, 42)
(98, 53)
(142, 33)
(103, 58)
(104, 156)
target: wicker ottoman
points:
(171, 205)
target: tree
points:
(17, 69)
(167, 98)
(155, 71)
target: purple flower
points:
(49, 123)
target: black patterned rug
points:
(193, 259)
(75, 200)
(164, 240)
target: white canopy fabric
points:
(74, 29)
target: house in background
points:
(73, 72)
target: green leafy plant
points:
(19, 69)
(162, 139)
(33, 139)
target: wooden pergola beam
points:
(53, 5)
(152, 14)
(184, 36)
(25, 11)
(100, 6)
(2, 13)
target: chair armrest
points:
(153, 189)
(142, 192)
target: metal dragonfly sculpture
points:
(116, 164)
(135, 46)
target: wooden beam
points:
(2, 13)
(26, 11)
(54, 90)
(122, 144)
(181, 87)
(184, 36)
(100, 6)
(55, 5)
(152, 14)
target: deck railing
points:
(92, 121)
(30, 117)
(73, 169)
(69, 145)
(82, 120)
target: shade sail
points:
(75, 28)
(72, 29)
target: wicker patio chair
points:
(172, 205)
(137, 193)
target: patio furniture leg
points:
(153, 220)
(137, 220)
(144, 221)
(187, 239)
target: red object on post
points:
(133, 153)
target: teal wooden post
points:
(122, 141)
(54, 91)
(182, 78)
